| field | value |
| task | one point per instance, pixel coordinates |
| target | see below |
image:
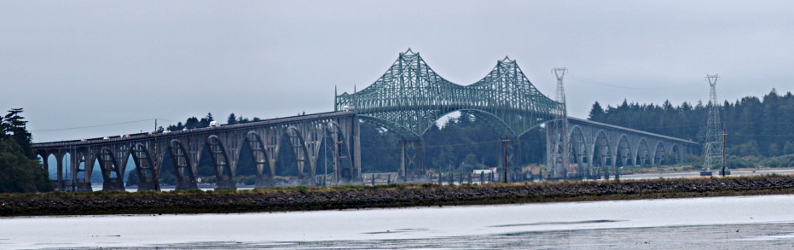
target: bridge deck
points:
(137, 136)
(631, 130)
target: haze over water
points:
(719, 223)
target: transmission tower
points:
(713, 132)
(560, 152)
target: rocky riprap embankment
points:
(302, 198)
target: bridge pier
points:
(225, 182)
(604, 166)
(264, 181)
(515, 171)
(59, 170)
(412, 159)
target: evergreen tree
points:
(596, 113)
(20, 170)
(232, 119)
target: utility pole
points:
(723, 151)
(713, 140)
(325, 156)
(505, 165)
(154, 168)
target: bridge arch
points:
(300, 155)
(676, 150)
(43, 156)
(579, 151)
(602, 151)
(144, 166)
(343, 159)
(224, 174)
(83, 163)
(264, 174)
(112, 173)
(624, 150)
(643, 155)
(185, 175)
(658, 153)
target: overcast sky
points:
(87, 63)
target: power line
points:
(588, 80)
(94, 126)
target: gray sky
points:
(85, 63)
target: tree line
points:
(460, 145)
(754, 126)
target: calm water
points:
(701, 223)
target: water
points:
(696, 222)
(696, 174)
(98, 186)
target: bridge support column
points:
(604, 166)
(515, 172)
(71, 184)
(263, 179)
(59, 170)
(357, 149)
(84, 184)
(590, 172)
(44, 161)
(412, 161)
(614, 158)
(582, 167)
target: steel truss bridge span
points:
(264, 138)
(597, 149)
(410, 97)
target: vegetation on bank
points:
(20, 171)
(383, 196)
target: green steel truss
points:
(410, 97)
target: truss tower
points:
(410, 97)
(713, 142)
(560, 153)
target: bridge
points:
(596, 148)
(183, 149)
(405, 100)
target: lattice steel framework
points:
(558, 145)
(410, 97)
(713, 142)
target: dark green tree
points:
(20, 171)
(755, 126)
(596, 113)
(232, 119)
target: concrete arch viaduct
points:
(597, 148)
(183, 148)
